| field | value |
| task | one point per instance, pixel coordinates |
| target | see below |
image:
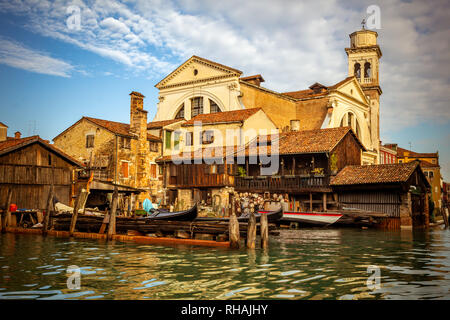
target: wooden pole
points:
(310, 202)
(79, 204)
(251, 231)
(324, 198)
(264, 229)
(112, 217)
(444, 216)
(48, 212)
(233, 228)
(6, 214)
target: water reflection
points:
(299, 264)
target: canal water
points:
(300, 264)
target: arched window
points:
(367, 70)
(196, 106)
(213, 107)
(357, 71)
(180, 113)
(349, 120)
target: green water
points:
(300, 264)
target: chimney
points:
(295, 125)
(17, 135)
(3, 132)
(256, 79)
(137, 113)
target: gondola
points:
(272, 216)
(186, 215)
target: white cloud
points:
(291, 43)
(16, 55)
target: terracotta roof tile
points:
(308, 141)
(116, 127)
(426, 164)
(10, 143)
(370, 174)
(162, 123)
(411, 154)
(310, 93)
(227, 116)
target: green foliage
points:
(241, 172)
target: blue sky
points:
(51, 75)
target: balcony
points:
(300, 183)
(365, 80)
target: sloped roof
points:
(426, 164)
(119, 128)
(373, 174)
(301, 142)
(14, 144)
(310, 93)
(162, 123)
(3, 125)
(222, 117)
(411, 154)
(201, 153)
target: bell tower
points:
(363, 63)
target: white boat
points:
(312, 218)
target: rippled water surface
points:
(300, 264)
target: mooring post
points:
(251, 231)
(264, 229)
(80, 203)
(6, 214)
(234, 228)
(112, 217)
(48, 212)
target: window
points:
(196, 106)
(180, 114)
(367, 70)
(124, 169)
(90, 141)
(400, 161)
(125, 143)
(431, 174)
(213, 107)
(168, 139)
(433, 161)
(153, 171)
(49, 159)
(189, 138)
(176, 140)
(207, 137)
(357, 70)
(153, 146)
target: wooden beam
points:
(6, 214)
(233, 228)
(324, 197)
(48, 211)
(251, 231)
(310, 202)
(112, 218)
(79, 205)
(264, 229)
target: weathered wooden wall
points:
(378, 201)
(31, 184)
(348, 152)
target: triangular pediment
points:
(195, 70)
(352, 88)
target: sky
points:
(61, 60)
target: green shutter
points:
(168, 139)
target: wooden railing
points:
(282, 183)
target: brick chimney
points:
(3, 132)
(17, 135)
(138, 127)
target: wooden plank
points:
(6, 214)
(264, 229)
(112, 222)
(79, 205)
(251, 231)
(48, 212)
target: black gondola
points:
(186, 215)
(272, 216)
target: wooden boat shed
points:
(29, 166)
(400, 190)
